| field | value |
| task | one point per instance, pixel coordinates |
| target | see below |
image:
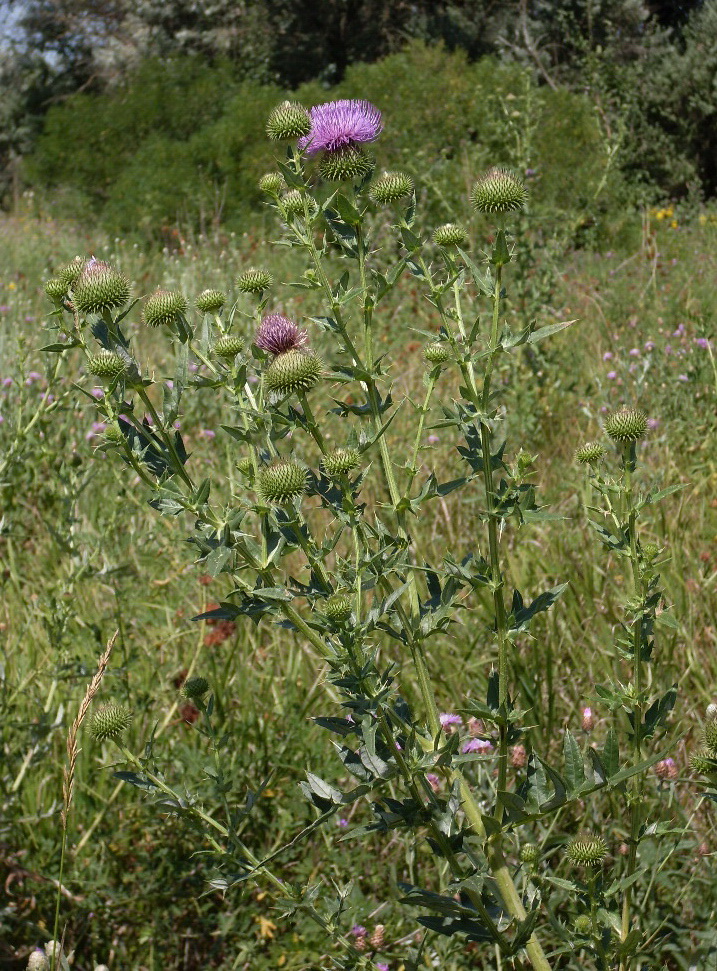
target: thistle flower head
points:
(666, 769)
(272, 183)
(703, 762)
(287, 121)
(254, 281)
(110, 721)
(282, 482)
(106, 364)
(588, 720)
(390, 187)
(70, 273)
(292, 203)
(529, 853)
(583, 925)
(228, 346)
(649, 551)
(499, 190)
(56, 290)
(346, 165)
(210, 301)
(114, 434)
(436, 353)
(626, 425)
(336, 125)
(164, 307)
(293, 371)
(245, 466)
(194, 688)
(338, 608)
(278, 334)
(340, 461)
(589, 453)
(709, 735)
(450, 234)
(587, 850)
(100, 287)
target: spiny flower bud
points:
(100, 287)
(114, 434)
(529, 853)
(436, 353)
(272, 184)
(37, 961)
(164, 308)
(278, 334)
(245, 466)
(210, 301)
(450, 234)
(347, 165)
(254, 281)
(626, 425)
(703, 763)
(194, 688)
(110, 721)
(390, 187)
(338, 608)
(587, 850)
(649, 551)
(499, 190)
(288, 120)
(339, 461)
(293, 371)
(282, 482)
(70, 273)
(292, 203)
(106, 364)
(583, 925)
(709, 734)
(56, 290)
(589, 453)
(228, 346)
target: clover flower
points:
(278, 334)
(337, 125)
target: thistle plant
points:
(316, 535)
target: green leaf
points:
(611, 754)
(542, 332)
(574, 768)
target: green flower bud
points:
(287, 121)
(195, 688)
(293, 371)
(106, 364)
(340, 461)
(110, 721)
(100, 287)
(626, 425)
(703, 762)
(69, 274)
(347, 165)
(246, 467)
(589, 453)
(281, 482)
(587, 850)
(649, 551)
(272, 184)
(529, 853)
(210, 301)
(228, 346)
(38, 962)
(114, 434)
(390, 187)
(338, 608)
(450, 234)
(254, 281)
(499, 190)
(709, 735)
(436, 353)
(164, 308)
(292, 203)
(583, 925)
(56, 290)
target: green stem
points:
(56, 922)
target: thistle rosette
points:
(282, 482)
(110, 721)
(450, 234)
(100, 287)
(626, 425)
(499, 191)
(210, 301)
(293, 371)
(287, 121)
(390, 187)
(106, 364)
(278, 334)
(164, 308)
(254, 281)
(587, 850)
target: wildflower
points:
(612, 375)
(450, 234)
(272, 183)
(164, 307)
(529, 853)
(588, 720)
(589, 453)
(434, 781)
(376, 940)
(106, 364)
(100, 287)
(711, 711)
(499, 190)
(340, 461)
(702, 342)
(37, 961)
(338, 608)
(293, 371)
(210, 301)
(390, 187)
(110, 721)
(666, 769)
(342, 823)
(282, 482)
(583, 925)
(228, 346)
(254, 281)
(477, 745)
(358, 930)
(436, 353)
(448, 721)
(587, 850)
(518, 757)
(292, 203)
(350, 164)
(278, 334)
(194, 688)
(340, 125)
(287, 121)
(55, 290)
(635, 352)
(608, 356)
(626, 425)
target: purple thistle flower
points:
(702, 342)
(477, 745)
(447, 719)
(607, 356)
(341, 124)
(612, 375)
(278, 334)
(381, 966)
(358, 930)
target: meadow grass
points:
(82, 556)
